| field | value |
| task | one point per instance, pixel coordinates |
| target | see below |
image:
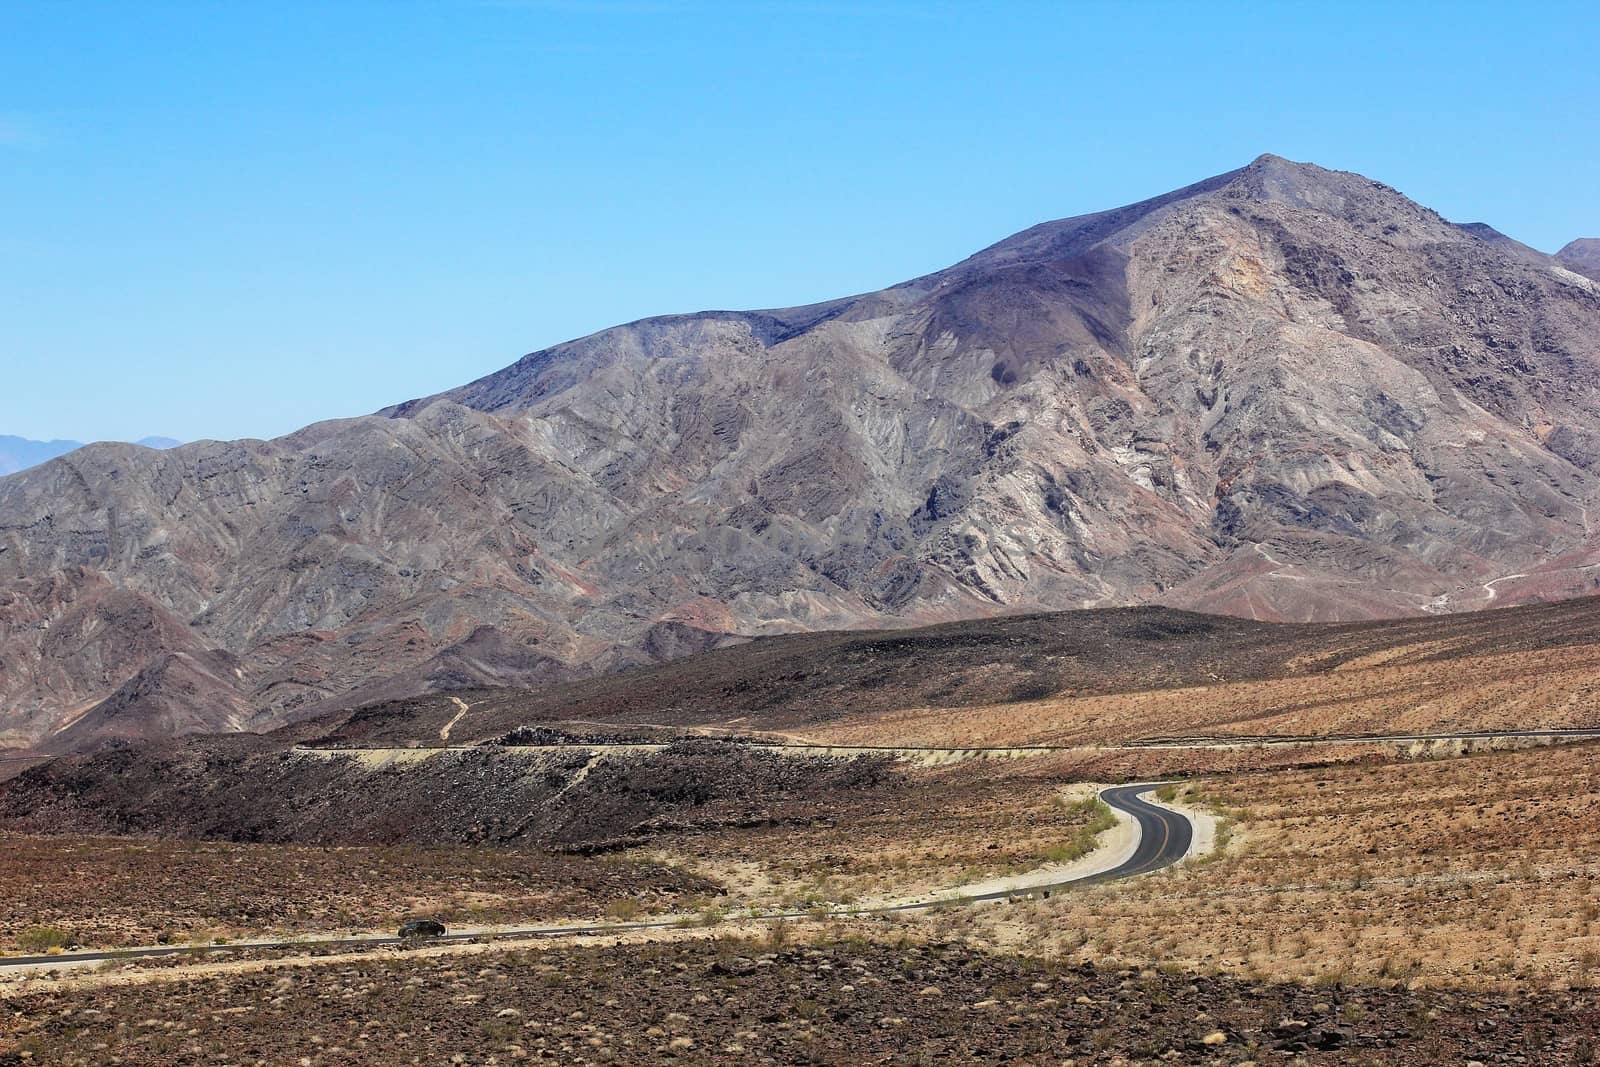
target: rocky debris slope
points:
(1283, 393)
(730, 1001)
(572, 799)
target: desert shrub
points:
(1099, 818)
(624, 908)
(43, 938)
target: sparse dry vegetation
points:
(43, 938)
(1420, 689)
(1407, 886)
(1477, 871)
(115, 891)
(940, 828)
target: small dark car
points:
(422, 928)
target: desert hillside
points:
(1284, 393)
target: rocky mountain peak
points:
(1283, 392)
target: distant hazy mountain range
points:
(1284, 392)
(19, 453)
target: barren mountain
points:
(1583, 256)
(1284, 393)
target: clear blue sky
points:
(231, 219)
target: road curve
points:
(1165, 835)
(1164, 839)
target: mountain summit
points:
(1284, 392)
(1582, 256)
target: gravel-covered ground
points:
(741, 1001)
(249, 790)
(116, 892)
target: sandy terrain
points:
(1415, 890)
(1478, 871)
(118, 892)
(1549, 687)
(941, 828)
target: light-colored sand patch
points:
(444, 731)
(1204, 825)
(1398, 654)
(373, 759)
(1112, 848)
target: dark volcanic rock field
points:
(244, 790)
(742, 1002)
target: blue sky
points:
(226, 220)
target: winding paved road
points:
(1164, 838)
(1164, 835)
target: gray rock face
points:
(1285, 392)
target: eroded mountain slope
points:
(1284, 393)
